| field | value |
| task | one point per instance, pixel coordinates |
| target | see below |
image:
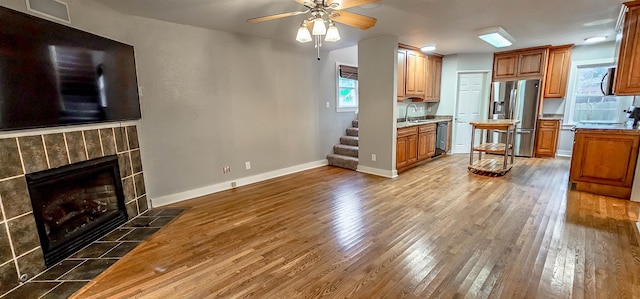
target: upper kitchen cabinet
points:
(434, 78)
(416, 71)
(520, 64)
(419, 75)
(558, 71)
(402, 69)
(627, 79)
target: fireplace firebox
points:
(76, 204)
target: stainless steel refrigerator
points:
(516, 100)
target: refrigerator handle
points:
(513, 103)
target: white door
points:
(470, 107)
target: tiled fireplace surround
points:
(20, 251)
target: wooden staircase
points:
(345, 154)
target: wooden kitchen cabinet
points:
(520, 64)
(558, 71)
(402, 60)
(627, 78)
(406, 147)
(433, 78)
(415, 73)
(426, 141)
(604, 162)
(547, 138)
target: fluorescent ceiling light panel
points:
(595, 39)
(496, 36)
(428, 48)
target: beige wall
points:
(377, 72)
(212, 99)
(333, 123)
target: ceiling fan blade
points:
(344, 4)
(307, 3)
(278, 16)
(353, 19)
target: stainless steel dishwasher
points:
(441, 138)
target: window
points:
(587, 104)
(347, 97)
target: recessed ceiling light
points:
(428, 48)
(595, 39)
(496, 36)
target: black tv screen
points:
(53, 75)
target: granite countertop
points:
(551, 117)
(607, 127)
(420, 122)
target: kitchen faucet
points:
(406, 114)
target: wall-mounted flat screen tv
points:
(54, 75)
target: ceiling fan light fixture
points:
(318, 27)
(332, 33)
(303, 35)
(496, 36)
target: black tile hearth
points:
(33, 289)
(64, 290)
(122, 249)
(68, 276)
(94, 250)
(58, 270)
(89, 269)
(116, 234)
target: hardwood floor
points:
(435, 231)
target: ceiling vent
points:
(53, 9)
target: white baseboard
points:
(562, 153)
(182, 196)
(379, 172)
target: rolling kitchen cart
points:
(492, 166)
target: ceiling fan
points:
(321, 12)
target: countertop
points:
(437, 119)
(607, 127)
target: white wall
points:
(452, 65)
(377, 75)
(333, 123)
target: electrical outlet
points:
(373, 157)
(233, 184)
(226, 169)
(247, 165)
(328, 105)
(428, 109)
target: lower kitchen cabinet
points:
(406, 147)
(604, 162)
(426, 141)
(547, 138)
(415, 144)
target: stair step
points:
(352, 131)
(346, 150)
(343, 161)
(354, 123)
(349, 140)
